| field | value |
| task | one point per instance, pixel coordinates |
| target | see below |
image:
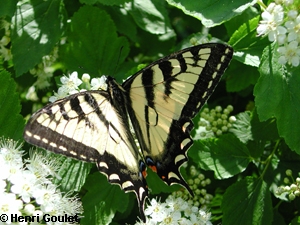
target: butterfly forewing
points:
(88, 127)
(166, 95)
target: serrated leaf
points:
(242, 127)
(11, 122)
(102, 200)
(247, 47)
(277, 95)
(247, 202)
(151, 16)
(72, 173)
(226, 156)
(212, 12)
(36, 28)
(93, 44)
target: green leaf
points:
(72, 173)
(124, 23)
(247, 46)
(36, 28)
(237, 81)
(102, 200)
(277, 95)
(242, 127)
(93, 45)
(11, 122)
(226, 156)
(266, 130)
(7, 7)
(151, 16)
(157, 186)
(247, 202)
(295, 221)
(212, 12)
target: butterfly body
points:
(154, 106)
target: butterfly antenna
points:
(118, 60)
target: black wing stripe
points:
(181, 83)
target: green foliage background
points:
(112, 38)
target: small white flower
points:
(205, 217)
(62, 92)
(42, 167)
(9, 205)
(2, 185)
(172, 219)
(289, 54)
(99, 83)
(292, 14)
(156, 210)
(270, 25)
(29, 209)
(85, 77)
(293, 28)
(72, 82)
(45, 195)
(24, 185)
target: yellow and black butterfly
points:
(158, 102)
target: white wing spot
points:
(185, 126)
(179, 158)
(73, 153)
(141, 192)
(204, 95)
(127, 184)
(214, 75)
(28, 134)
(103, 164)
(82, 156)
(62, 148)
(53, 144)
(37, 137)
(114, 177)
(223, 58)
(171, 175)
(45, 140)
(184, 143)
(209, 84)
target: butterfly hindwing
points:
(165, 96)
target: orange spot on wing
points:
(153, 168)
(144, 173)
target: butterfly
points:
(154, 106)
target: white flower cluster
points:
(72, 84)
(26, 188)
(175, 211)
(281, 23)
